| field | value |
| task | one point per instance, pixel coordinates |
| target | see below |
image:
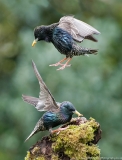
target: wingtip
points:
(34, 67)
(33, 64)
(36, 72)
(26, 140)
(97, 32)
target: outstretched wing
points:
(78, 29)
(46, 101)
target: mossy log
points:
(77, 142)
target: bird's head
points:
(39, 33)
(68, 108)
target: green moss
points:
(27, 156)
(40, 158)
(54, 157)
(74, 141)
(93, 151)
(30, 156)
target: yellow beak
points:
(34, 42)
(76, 112)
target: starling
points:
(64, 36)
(57, 113)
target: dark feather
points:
(57, 113)
(46, 101)
(63, 35)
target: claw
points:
(64, 66)
(62, 129)
(59, 64)
(56, 64)
(58, 130)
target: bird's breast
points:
(62, 40)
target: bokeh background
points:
(93, 84)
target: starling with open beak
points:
(64, 36)
(56, 113)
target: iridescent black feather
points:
(57, 113)
(64, 36)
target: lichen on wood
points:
(77, 142)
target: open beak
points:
(76, 112)
(34, 42)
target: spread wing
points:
(78, 29)
(46, 101)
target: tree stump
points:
(77, 142)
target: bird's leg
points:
(65, 65)
(59, 63)
(57, 130)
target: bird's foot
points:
(57, 131)
(59, 64)
(56, 64)
(64, 66)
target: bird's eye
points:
(72, 109)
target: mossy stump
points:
(77, 142)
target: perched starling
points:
(64, 36)
(57, 113)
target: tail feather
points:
(32, 133)
(38, 127)
(31, 100)
(78, 50)
(84, 51)
(93, 51)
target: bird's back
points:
(53, 119)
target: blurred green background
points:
(93, 85)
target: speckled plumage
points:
(56, 113)
(64, 36)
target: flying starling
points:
(57, 113)
(64, 36)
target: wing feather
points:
(78, 29)
(46, 101)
